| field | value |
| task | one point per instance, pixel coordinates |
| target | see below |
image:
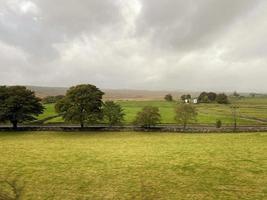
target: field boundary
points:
(174, 129)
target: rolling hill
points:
(113, 94)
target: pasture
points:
(252, 111)
(55, 165)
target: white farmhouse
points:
(194, 101)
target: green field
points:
(252, 111)
(56, 165)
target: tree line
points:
(82, 104)
(204, 97)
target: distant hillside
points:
(112, 94)
(48, 91)
(139, 94)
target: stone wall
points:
(138, 129)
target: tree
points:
(113, 113)
(234, 109)
(203, 97)
(235, 94)
(206, 99)
(52, 99)
(18, 104)
(148, 117)
(168, 97)
(184, 114)
(222, 99)
(185, 96)
(212, 96)
(82, 104)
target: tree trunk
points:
(110, 122)
(235, 125)
(82, 125)
(15, 124)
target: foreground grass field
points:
(56, 165)
(252, 111)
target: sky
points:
(211, 45)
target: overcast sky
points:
(135, 44)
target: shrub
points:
(218, 124)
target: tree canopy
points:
(82, 104)
(18, 104)
(113, 113)
(184, 114)
(222, 98)
(148, 117)
(207, 97)
(168, 97)
(186, 97)
(211, 97)
(52, 99)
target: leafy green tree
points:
(113, 113)
(52, 99)
(184, 114)
(212, 96)
(168, 97)
(148, 117)
(18, 104)
(222, 99)
(186, 96)
(205, 97)
(82, 104)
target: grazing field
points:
(56, 165)
(252, 111)
(49, 112)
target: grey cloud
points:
(75, 16)
(54, 22)
(138, 44)
(189, 25)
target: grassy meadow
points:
(252, 111)
(54, 165)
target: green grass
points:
(131, 108)
(57, 166)
(252, 111)
(49, 111)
